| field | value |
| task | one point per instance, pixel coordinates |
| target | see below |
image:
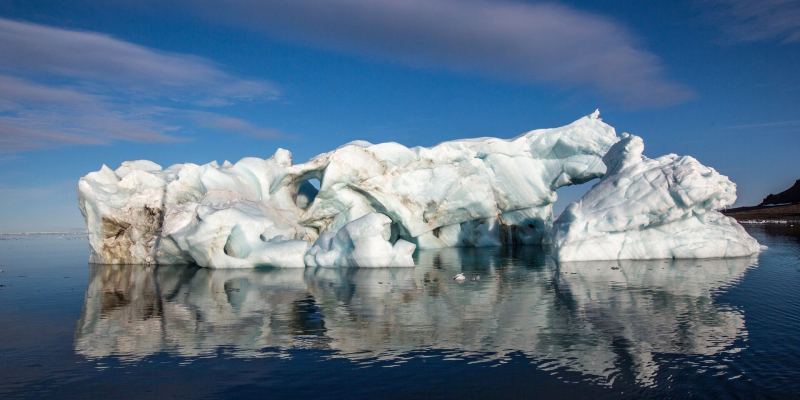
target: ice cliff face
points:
(650, 209)
(377, 203)
(475, 192)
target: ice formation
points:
(363, 242)
(377, 203)
(651, 208)
(474, 192)
(214, 216)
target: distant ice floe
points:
(473, 192)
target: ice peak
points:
(283, 157)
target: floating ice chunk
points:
(472, 192)
(361, 243)
(651, 208)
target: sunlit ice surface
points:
(519, 325)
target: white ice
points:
(651, 208)
(215, 216)
(472, 192)
(363, 242)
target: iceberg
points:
(651, 209)
(264, 212)
(377, 203)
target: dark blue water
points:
(527, 328)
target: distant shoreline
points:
(788, 213)
(42, 233)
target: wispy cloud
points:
(545, 43)
(15, 91)
(231, 124)
(33, 48)
(780, 124)
(753, 21)
(65, 87)
(778, 127)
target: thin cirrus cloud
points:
(542, 43)
(754, 21)
(98, 57)
(66, 87)
(780, 127)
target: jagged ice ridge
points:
(377, 203)
(650, 209)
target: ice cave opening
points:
(570, 194)
(307, 192)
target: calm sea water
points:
(527, 328)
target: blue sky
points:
(84, 84)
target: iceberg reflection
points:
(586, 317)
